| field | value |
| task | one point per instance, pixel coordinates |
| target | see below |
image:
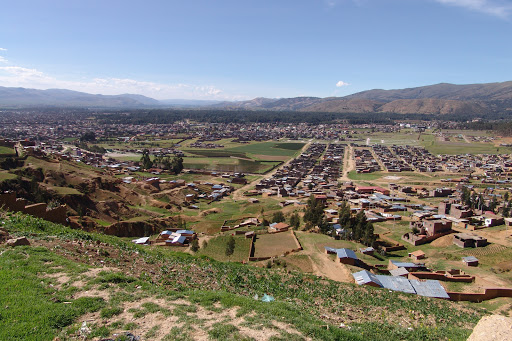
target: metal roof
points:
(470, 259)
(346, 253)
(365, 277)
(407, 264)
(330, 249)
(429, 288)
(398, 272)
(396, 284)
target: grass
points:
(228, 164)
(6, 176)
(6, 150)
(216, 248)
(301, 300)
(65, 190)
(33, 310)
(353, 175)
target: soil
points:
(492, 328)
(443, 241)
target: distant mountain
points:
(444, 98)
(479, 99)
(189, 102)
(21, 97)
(469, 92)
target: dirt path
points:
(239, 193)
(349, 164)
(323, 265)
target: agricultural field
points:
(216, 248)
(257, 157)
(276, 244)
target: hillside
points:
(78, 285)
(469, 92)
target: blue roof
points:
(346, 253)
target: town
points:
(374, 205)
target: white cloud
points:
(2, 49)
(16, 76)
(497, 8)
(342, 83)
(3, 60)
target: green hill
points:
(66, 277)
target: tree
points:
(177, 164)
(146, 160)
(506, 196)
(194, 245)
(295, 220)
(230, 246)
(314, 212)
(88, 136)
(278, 217)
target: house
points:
(367, 251)
(470, 261)
(345, 256)
(437, 226)
(493, 220)
(278, 227)
(468, 240)
(417, 255)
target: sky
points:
(243, 49)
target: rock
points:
(18, 241)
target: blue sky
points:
(242, 49)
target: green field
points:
(216, 248)
(353, 175)
(226, 164)
(6, 150)
(434, 146)
(6, 176)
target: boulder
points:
(18, 241)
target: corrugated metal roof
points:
(470, 259)
(396, 284)
(407, 264)
(365, 277)
(330, 249)
(398, 272)
(346, 253)
(429, 288)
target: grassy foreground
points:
(69, 276)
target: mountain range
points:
(436, 99)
